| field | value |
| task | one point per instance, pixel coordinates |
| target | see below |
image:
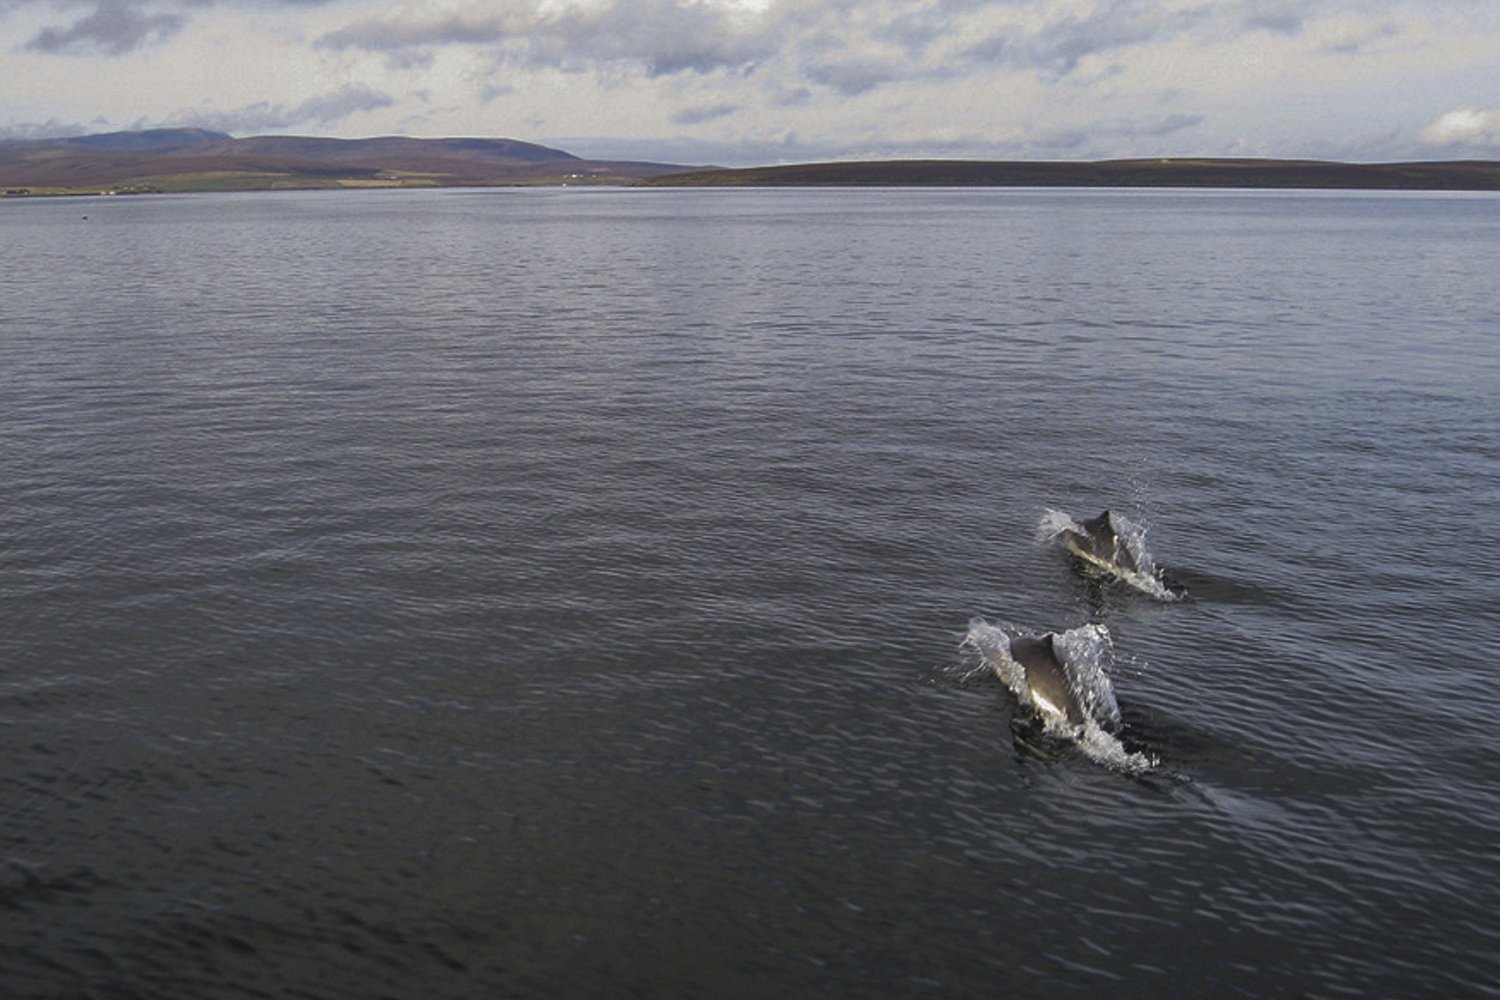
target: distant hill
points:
(188, 159)
(386, 150)
(1463, 175)
(198, 159)
(159, 140)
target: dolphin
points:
(1046, 678)
(1096, 541)
(1063, 678)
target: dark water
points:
(559, 593)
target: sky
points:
(745, 82)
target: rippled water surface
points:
(560, 593)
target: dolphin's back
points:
(1045, 675)
(1100, 540)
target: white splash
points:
(1085, 653)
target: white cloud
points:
(51, 129)
(1468, 127)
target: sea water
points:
(561, 593)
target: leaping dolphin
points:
(1112, 545)
(1063, 678)
(1097, 541)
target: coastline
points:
(176, 161)
(1453, 175)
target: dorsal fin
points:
(1102, 526)
(1046, 675)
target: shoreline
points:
(1199, 173)
(1187, 174)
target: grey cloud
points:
(113, 28)
(750, 150)
(1059, 140)
(683, 149)
(1277, 16)
(118, 27)
(263, 116)
(1355, 44)
(847, 47)
(410, 59)
(1280, 23)
(339, 104)
(663, 36)
(1060, 47)
(997, 48)
(914, 30)
(387, 35)
(491, 91)
(856, 76)
(1168, 125)
(703, 113)
(1099, 139)
(667, 36)
(1145, 136)
(1149, 128)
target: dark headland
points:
(1457, 175)
(186, 159)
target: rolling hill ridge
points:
(198, 159)
(190, 159)
(1195, 172)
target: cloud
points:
(324, 110)
(1357, 42)
(1095, 139)
(703, 113)
(1280, 17)
(339, 104)
(1103, 139)
(403, 59)
(665, 36)
(113, 28)
(490, 91)
(1167, 126)
(49, 129)
(662, 36)
(853, 77)
(842, 47)
(913, 29)
(403, 32)
(119, 27)
(1472, 128)
(1059, 46)
(742, 151)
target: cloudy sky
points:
(764, 81)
